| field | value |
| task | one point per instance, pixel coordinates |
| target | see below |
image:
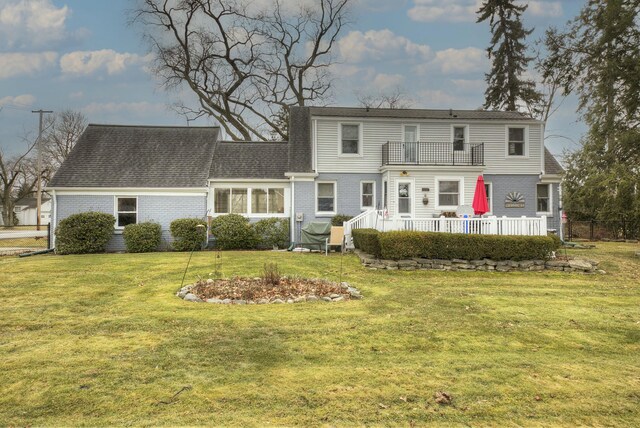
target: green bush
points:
(272, 232)
(447, 246)
(338, 219)
(142, 237)
(233, 232)
(367, 240)
(84, 233)
(186, 235)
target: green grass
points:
(102, 340)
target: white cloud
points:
(377, 45)
(20, 64)
(384, 81)
(84, 63)
(444, 10)
(461, 61)
(142, 108)
(550, 9)
(25, 100)
(31, 23)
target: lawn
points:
(102, 340)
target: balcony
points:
(432, 154)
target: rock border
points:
(484, 265)
(352, 292)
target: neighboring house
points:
(26, 210)
(413, 163)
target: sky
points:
(83, 55)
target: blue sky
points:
(82, 55)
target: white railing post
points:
(543, 225)
(493, 225)
(442, 226)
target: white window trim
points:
(335, 199)
(490, 197)
(249, 188)
(402, 137)
(466, 136)
(373, 199)
(116, 212)
(550, 212)
(412, 196)
(526, 142)
(360, 139)
(461, 199)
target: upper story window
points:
(459, 137)
(516, 141)
(126, 211)
(350, 139)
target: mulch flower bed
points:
(241, 290)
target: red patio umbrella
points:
(480, 205)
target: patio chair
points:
(336, 239)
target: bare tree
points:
(61, 133)
(12, 174)
(394, 99)
(243, 65)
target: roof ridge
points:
(152, 126)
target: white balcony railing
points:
(376, 219)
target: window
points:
(459, 138)
(385, 194)
(236, 201)
(410, 143)
(488, 189)
(449, 193)
(326, 200)
(350, 139)
(543, 198)
(404, 198)
(126, 211)
(367, 194)
(516, 141)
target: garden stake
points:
(198, 227)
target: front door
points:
(404, 198)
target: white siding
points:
(376, 132)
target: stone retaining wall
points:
(484, 265)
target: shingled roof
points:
(139, 156)
(419, 113)
(551, 164)
(262, 160)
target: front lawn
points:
(102, 340)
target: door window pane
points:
(404, 198)
(410, 134)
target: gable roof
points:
(420, 113)
(258, 160)
(139, 156)
(551, 164)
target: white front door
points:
(404, 198)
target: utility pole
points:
(39, 166)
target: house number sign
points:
(514, 200)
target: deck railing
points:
(377, 219)
(421, 153)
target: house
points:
(410, 163)
(26, 211)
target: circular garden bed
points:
(241, 291)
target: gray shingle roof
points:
(139, 156)
(551, 164)
(249, 160)
(419, 113)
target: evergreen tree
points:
(601, 49)
(507, 88)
